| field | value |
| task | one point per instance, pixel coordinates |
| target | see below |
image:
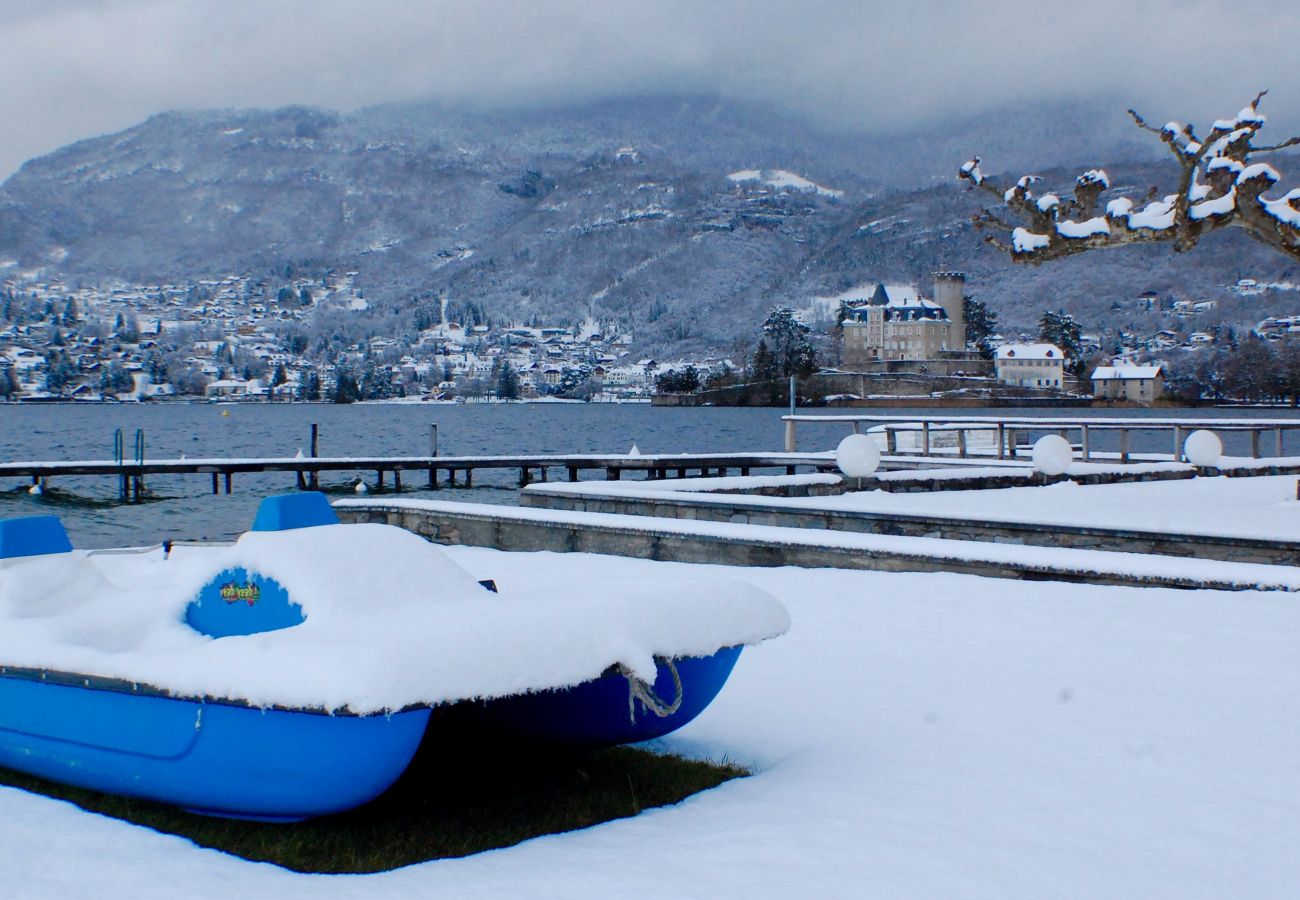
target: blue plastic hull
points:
(212, 758)
(595, 713)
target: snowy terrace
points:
(913, 735)
(997, 435)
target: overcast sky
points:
(77, 68)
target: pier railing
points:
(1006, 431)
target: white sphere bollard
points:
(1052, 454)
(361, 488)
(1203, 448)
(857, 456)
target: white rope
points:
(637, 689)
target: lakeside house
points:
(1037, 365)
(1138, 384)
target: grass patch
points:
(452, 801)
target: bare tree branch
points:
(1218, 187)
(1289, 142)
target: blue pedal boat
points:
(215, 756)
(616, 708)
(226, 756)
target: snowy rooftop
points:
(1124, 373)
(1029, 351)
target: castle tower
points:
(949, 288)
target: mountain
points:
(621, 209)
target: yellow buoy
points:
(225, 412)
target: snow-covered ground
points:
(1261, 507)
(913, 736)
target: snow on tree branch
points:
(1218, 187)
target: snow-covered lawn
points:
(913, 736)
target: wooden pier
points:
(391, 469)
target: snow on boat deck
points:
(914, 736)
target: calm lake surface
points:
(183, 507)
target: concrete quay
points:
(694, 541)
(787, 513)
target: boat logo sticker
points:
(248, 593)
(237, 601)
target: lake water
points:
(183, 507)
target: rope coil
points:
(638, 689)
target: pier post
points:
(227, 482)
(1123, 445)
(525, 476)
(1277, 432)
(961, 442)
(433, 439)
(925, 438)
(215, 488)
(1012, 437)
(1002, 440)
(469, 478)
(397, 480)
(315, 432)
(1254, 443)
(433, 479)
(891, 442)
(573, 473)
(789, 436)
(1084, 442)
(379, 479)
(1178, 443)
(613, 474)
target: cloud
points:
(77, 69)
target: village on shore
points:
(237, 338)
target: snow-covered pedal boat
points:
(291, 674)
